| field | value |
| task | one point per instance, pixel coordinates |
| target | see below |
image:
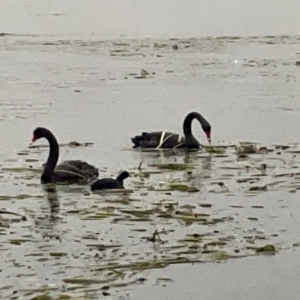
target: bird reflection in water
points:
(47, 218)
(204, 166)
(53, 200)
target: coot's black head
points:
(38, 133)
(123, 175)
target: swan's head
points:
(124, 175)
(207, 129)
(38, 133)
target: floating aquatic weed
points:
(188, 207)
(116, 51)
(139, 213)
(246, 149)
(102, 247)
(19, 241)
(164, 279)
(21, 170)
(264, 150)
(192, 238)
(139, 229)
(147, 265)
(124, 200)
(290, 174)
(205, 205)
(282, 147)
(219, 220)
(6, 287)
(295, 151)
(141, 175)
(183, 188)
(266, 248)
(88, 281)
(42, 297)
(114, 191)
(3, 225)
(174, 166)
(103, 213)
(215, 149)
(231, 168)
(167, 203)
(22, 196)
(70, 144)
(190, 218)
(221, 255)
(140, 219)
(174, 247)
(258, 188)
(74, 211)
(189, 251)
(216, 243)
(243, 180)
(242, 157)
(179, 187)
(58, 254)
(23, 153)
(134, 266)
(21, 218)
(31, 160)
(167, 215)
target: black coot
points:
(110, 183)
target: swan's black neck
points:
(52, 158)
(191, 141)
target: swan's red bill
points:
(208, 136)
(34, 138)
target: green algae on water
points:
(174, 166)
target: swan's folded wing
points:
(77, 168)
(159, 140)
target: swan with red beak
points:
(169, 140)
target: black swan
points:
(163, 139)
(70, 171)
(109, 183)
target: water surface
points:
(84, 83)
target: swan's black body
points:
(109, 183)
(162, 139)
(70, 171)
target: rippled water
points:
(86, 86)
